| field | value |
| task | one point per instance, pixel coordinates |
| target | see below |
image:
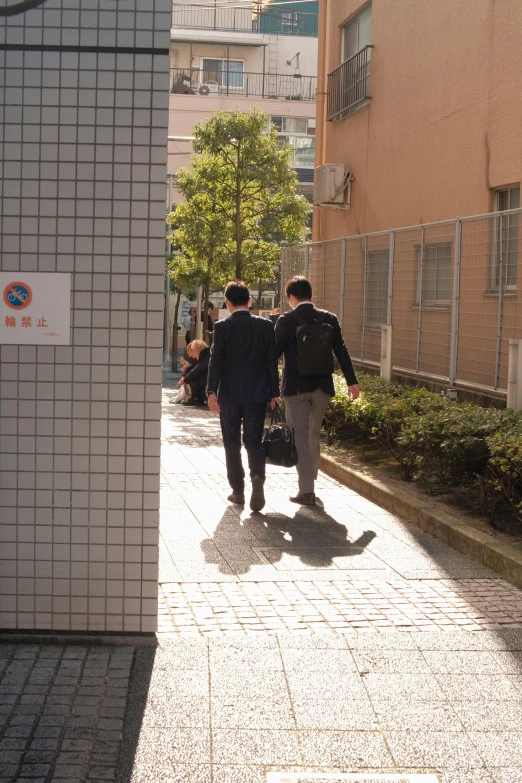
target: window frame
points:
(294, 135)
(436, 304)
(501, 220)
(222, 85)
(355, 18)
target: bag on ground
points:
(279, 442)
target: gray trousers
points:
(305, 413)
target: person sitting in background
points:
(195, 378)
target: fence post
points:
(500, 301)
(514, 388)
(324, 275)
(363, 335)
(343, 272)
(386, 351)
(391, 262)
(307, 261)
(421, 283)
(455, 304)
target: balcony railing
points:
(196, 81)
(251, 19)
(349, 84)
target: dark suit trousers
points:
(252, 416)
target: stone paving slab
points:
(61, 711)
(328, 640)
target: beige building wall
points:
(439, 135)
(442, 128)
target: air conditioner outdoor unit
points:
(332, 186)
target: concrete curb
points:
(502, 558)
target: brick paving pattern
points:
(327, 640)
(62, 711)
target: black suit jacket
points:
(243, 360)
(285, 330)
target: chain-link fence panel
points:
(317, 272)
(489, 313)
(434, 296)
(294, 261)
(406, 315)
(448, 289)
(332, 272)
(374, 301)
(353, 300)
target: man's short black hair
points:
(300, 287)
(237, 293)
(210, 306)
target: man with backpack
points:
(308, 338)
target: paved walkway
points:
(332, 639)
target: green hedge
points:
(434, 440)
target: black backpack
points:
(314, 346)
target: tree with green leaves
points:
(198, 234)
(255, 205)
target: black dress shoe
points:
(237, 497)
(257, 500)
(304, 499)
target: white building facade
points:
(85, 109)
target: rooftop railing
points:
(250, 19)
(196, 81)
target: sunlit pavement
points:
(328, 639)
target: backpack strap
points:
(319, 316)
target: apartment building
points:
(419, 112)
(239, 54)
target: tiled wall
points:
(84, 114)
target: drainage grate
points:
(348, 777)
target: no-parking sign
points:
(35, 308)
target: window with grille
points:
(505, 249)
(349, 83)
(376, 299)
(434, 274)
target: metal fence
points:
(250, 17)
(349, 84)
(242, 84)
(448, 289)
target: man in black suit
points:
(242, 378)
(307, 398)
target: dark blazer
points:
(285, 330)
(243, 360)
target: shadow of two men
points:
(313, 536)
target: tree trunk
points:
(174, 365)
(206, 296)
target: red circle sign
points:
(17, 295)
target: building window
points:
(376, 299)
(357, 33)
(223, 73)
(349, 83)
(435, 274)
(288, 21)
(505, 254)
(299, 133)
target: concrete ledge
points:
(502, 558)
